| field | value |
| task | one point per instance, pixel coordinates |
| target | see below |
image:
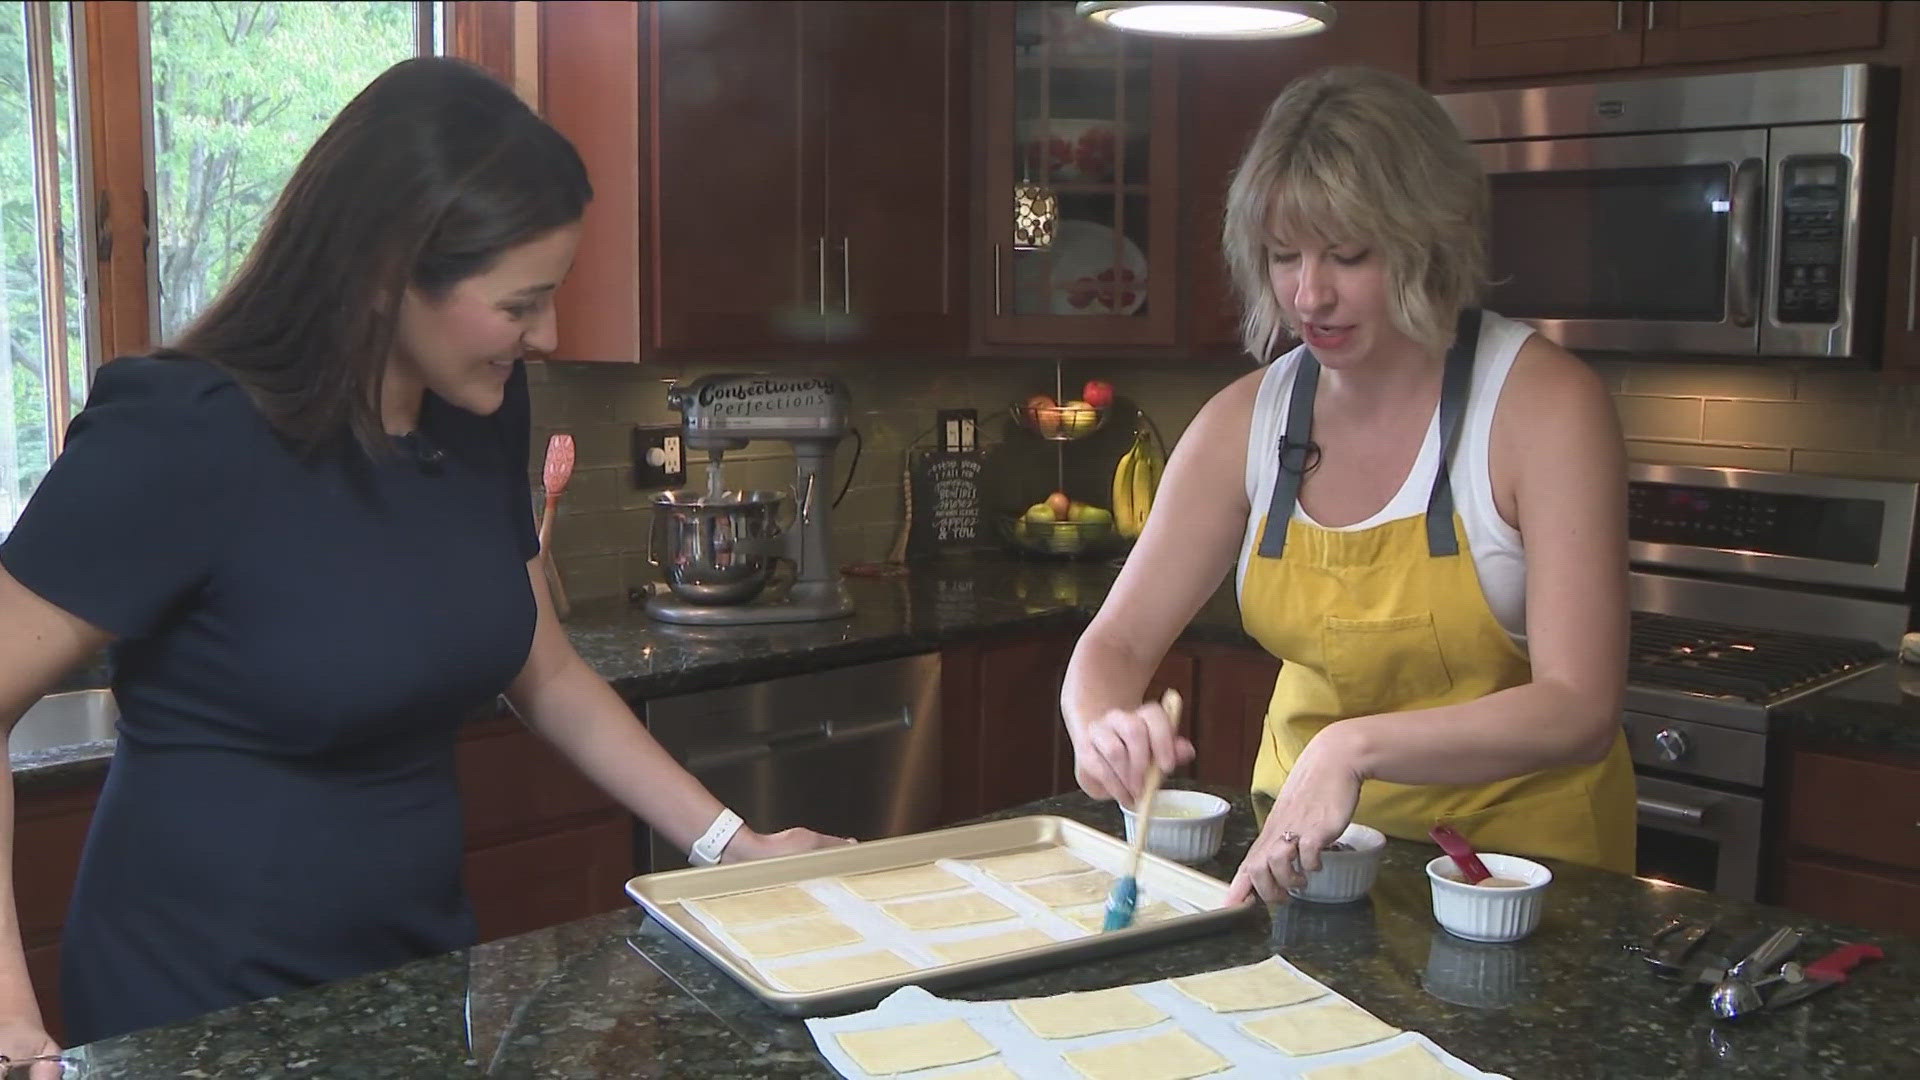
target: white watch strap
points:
(706, 850)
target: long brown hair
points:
(424, 179)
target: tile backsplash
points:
(1781, 416)
(1784, 416)
(600, 537)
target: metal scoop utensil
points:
(1735, 996)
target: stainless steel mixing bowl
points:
(716, 548)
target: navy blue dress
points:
(297, 643)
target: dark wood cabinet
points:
(544, 844)
(590, 92)
(733, 236)
(1494, 39)
(568, 873)
(1851, 844)
(49, 831)
(1091, 115)
(804, 174)
(1225, 88)
(1000, 711)
(1488, 39)
(895, 125)
(1235, 684)
(1859, 893)
(1691, 32)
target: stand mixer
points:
(718, 548)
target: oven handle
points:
(1677, 813)
(1743, 254)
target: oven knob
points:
(1673, 744)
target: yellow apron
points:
(1388, 619)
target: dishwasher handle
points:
(826, 733)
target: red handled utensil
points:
(1829, 970)
(554, 475)
(1472, 870)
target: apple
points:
(1043, 414)
(1078, 418)
(1097, 393)
(1039, 513)
(1089, 515)
(1060, 505)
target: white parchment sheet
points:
(1034, 1058)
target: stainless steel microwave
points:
(1734, 215)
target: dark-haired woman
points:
(304, 532)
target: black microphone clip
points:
(429, 458)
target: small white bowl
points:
(1345, 876)
(1478, 913)
(1194, 831)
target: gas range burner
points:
(1716, 660)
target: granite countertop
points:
(1879, 710)
(617, 996)
(941, 603)
(972, 598)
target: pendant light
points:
(1212, 19)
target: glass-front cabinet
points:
(1079, 128)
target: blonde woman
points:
(1425, 504)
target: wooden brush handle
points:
(546, 519)
(1143, 810)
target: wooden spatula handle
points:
(1143, 810)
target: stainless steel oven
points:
(853, 751)
(1749, 590)
(1713, 214)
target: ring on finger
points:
(1288, 836)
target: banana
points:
(1136, 477)
(1146, 479)
(1125, 521)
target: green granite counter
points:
(1880, 710)
(616, 996)
(935, 605)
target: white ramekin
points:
(1345, 876)
(1478, 913)
(1184, 839)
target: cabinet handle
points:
(1619, 15)
(996, 279)
(846, 276)
(821, 247)
(1913, 271)
(1650, 4)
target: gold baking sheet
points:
(663, 896)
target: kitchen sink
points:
(79, 716)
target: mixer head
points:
(725, 412)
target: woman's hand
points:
(1313, 808)
(748, 845)
(22, 1039)
(1111, 752)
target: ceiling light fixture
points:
(1226, 20)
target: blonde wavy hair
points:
(1358, 156)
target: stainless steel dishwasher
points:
(853, 751)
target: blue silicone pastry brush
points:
(1126, 892)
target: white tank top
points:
(1498, 558)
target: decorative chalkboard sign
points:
(945, 514)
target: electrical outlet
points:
(659, 458)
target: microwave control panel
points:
(1813, 219)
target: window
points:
(239, 91)
(141, 147)
(42, 313)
